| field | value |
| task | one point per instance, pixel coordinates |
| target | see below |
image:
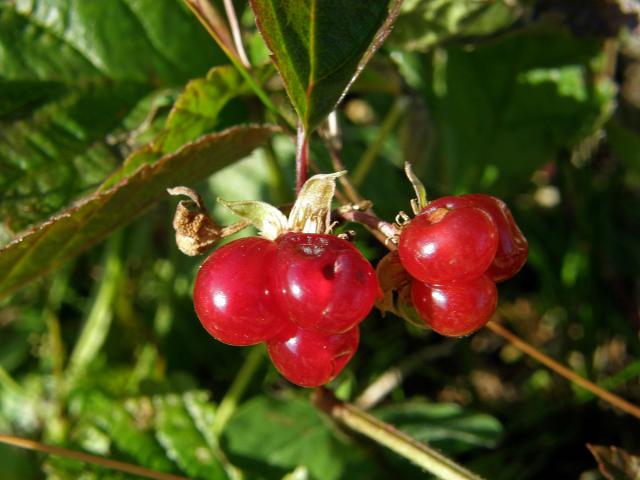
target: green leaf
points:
(198, 108)
(444, 425)
(505, 108)
(68, 234)
(195, 112)
(58, 110)
(319, 47)
(615, 463)
(168, 432)
(424, 23)
(183, 441)
(127, 426)
(273, 437)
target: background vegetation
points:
(100, 350)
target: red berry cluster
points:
(455, 249)
(303, 294)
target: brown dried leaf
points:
(615, 463)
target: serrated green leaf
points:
(277, 436)
(319, 48)
(183, 441)
(149, 41)
(197, 109)
(194, 113)
(57, 110)
(444, 425)
(128, 426)
(66, 235)
(167, 432)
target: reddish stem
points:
(302, 158)
(388, 230)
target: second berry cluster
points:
(456, 249)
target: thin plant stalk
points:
(384, 434)
(563, 371)
(236, 33)
(144, 472)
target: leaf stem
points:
(29, 444)
(302, 157)
(231, 399)
(368, 158)
(384, 434)
(563, 371)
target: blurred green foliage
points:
(535, 101)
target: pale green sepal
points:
(269, 221)
(420, 201)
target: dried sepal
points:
(270, 222)
(196, 232)
(311, 212)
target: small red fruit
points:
(233, 296)
(449, 241)
(323, 282)
(456, 309)
(513, 248)
(310, 359)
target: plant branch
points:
(388, 231)
(384, 434)
(29, 444)
(230, 401)
(563, 371)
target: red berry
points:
(449, 241)
(324, 283)
(456, 309)
(512, 246)
(232, 294)
(310, 359)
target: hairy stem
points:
(87, 458)
(384, 434)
